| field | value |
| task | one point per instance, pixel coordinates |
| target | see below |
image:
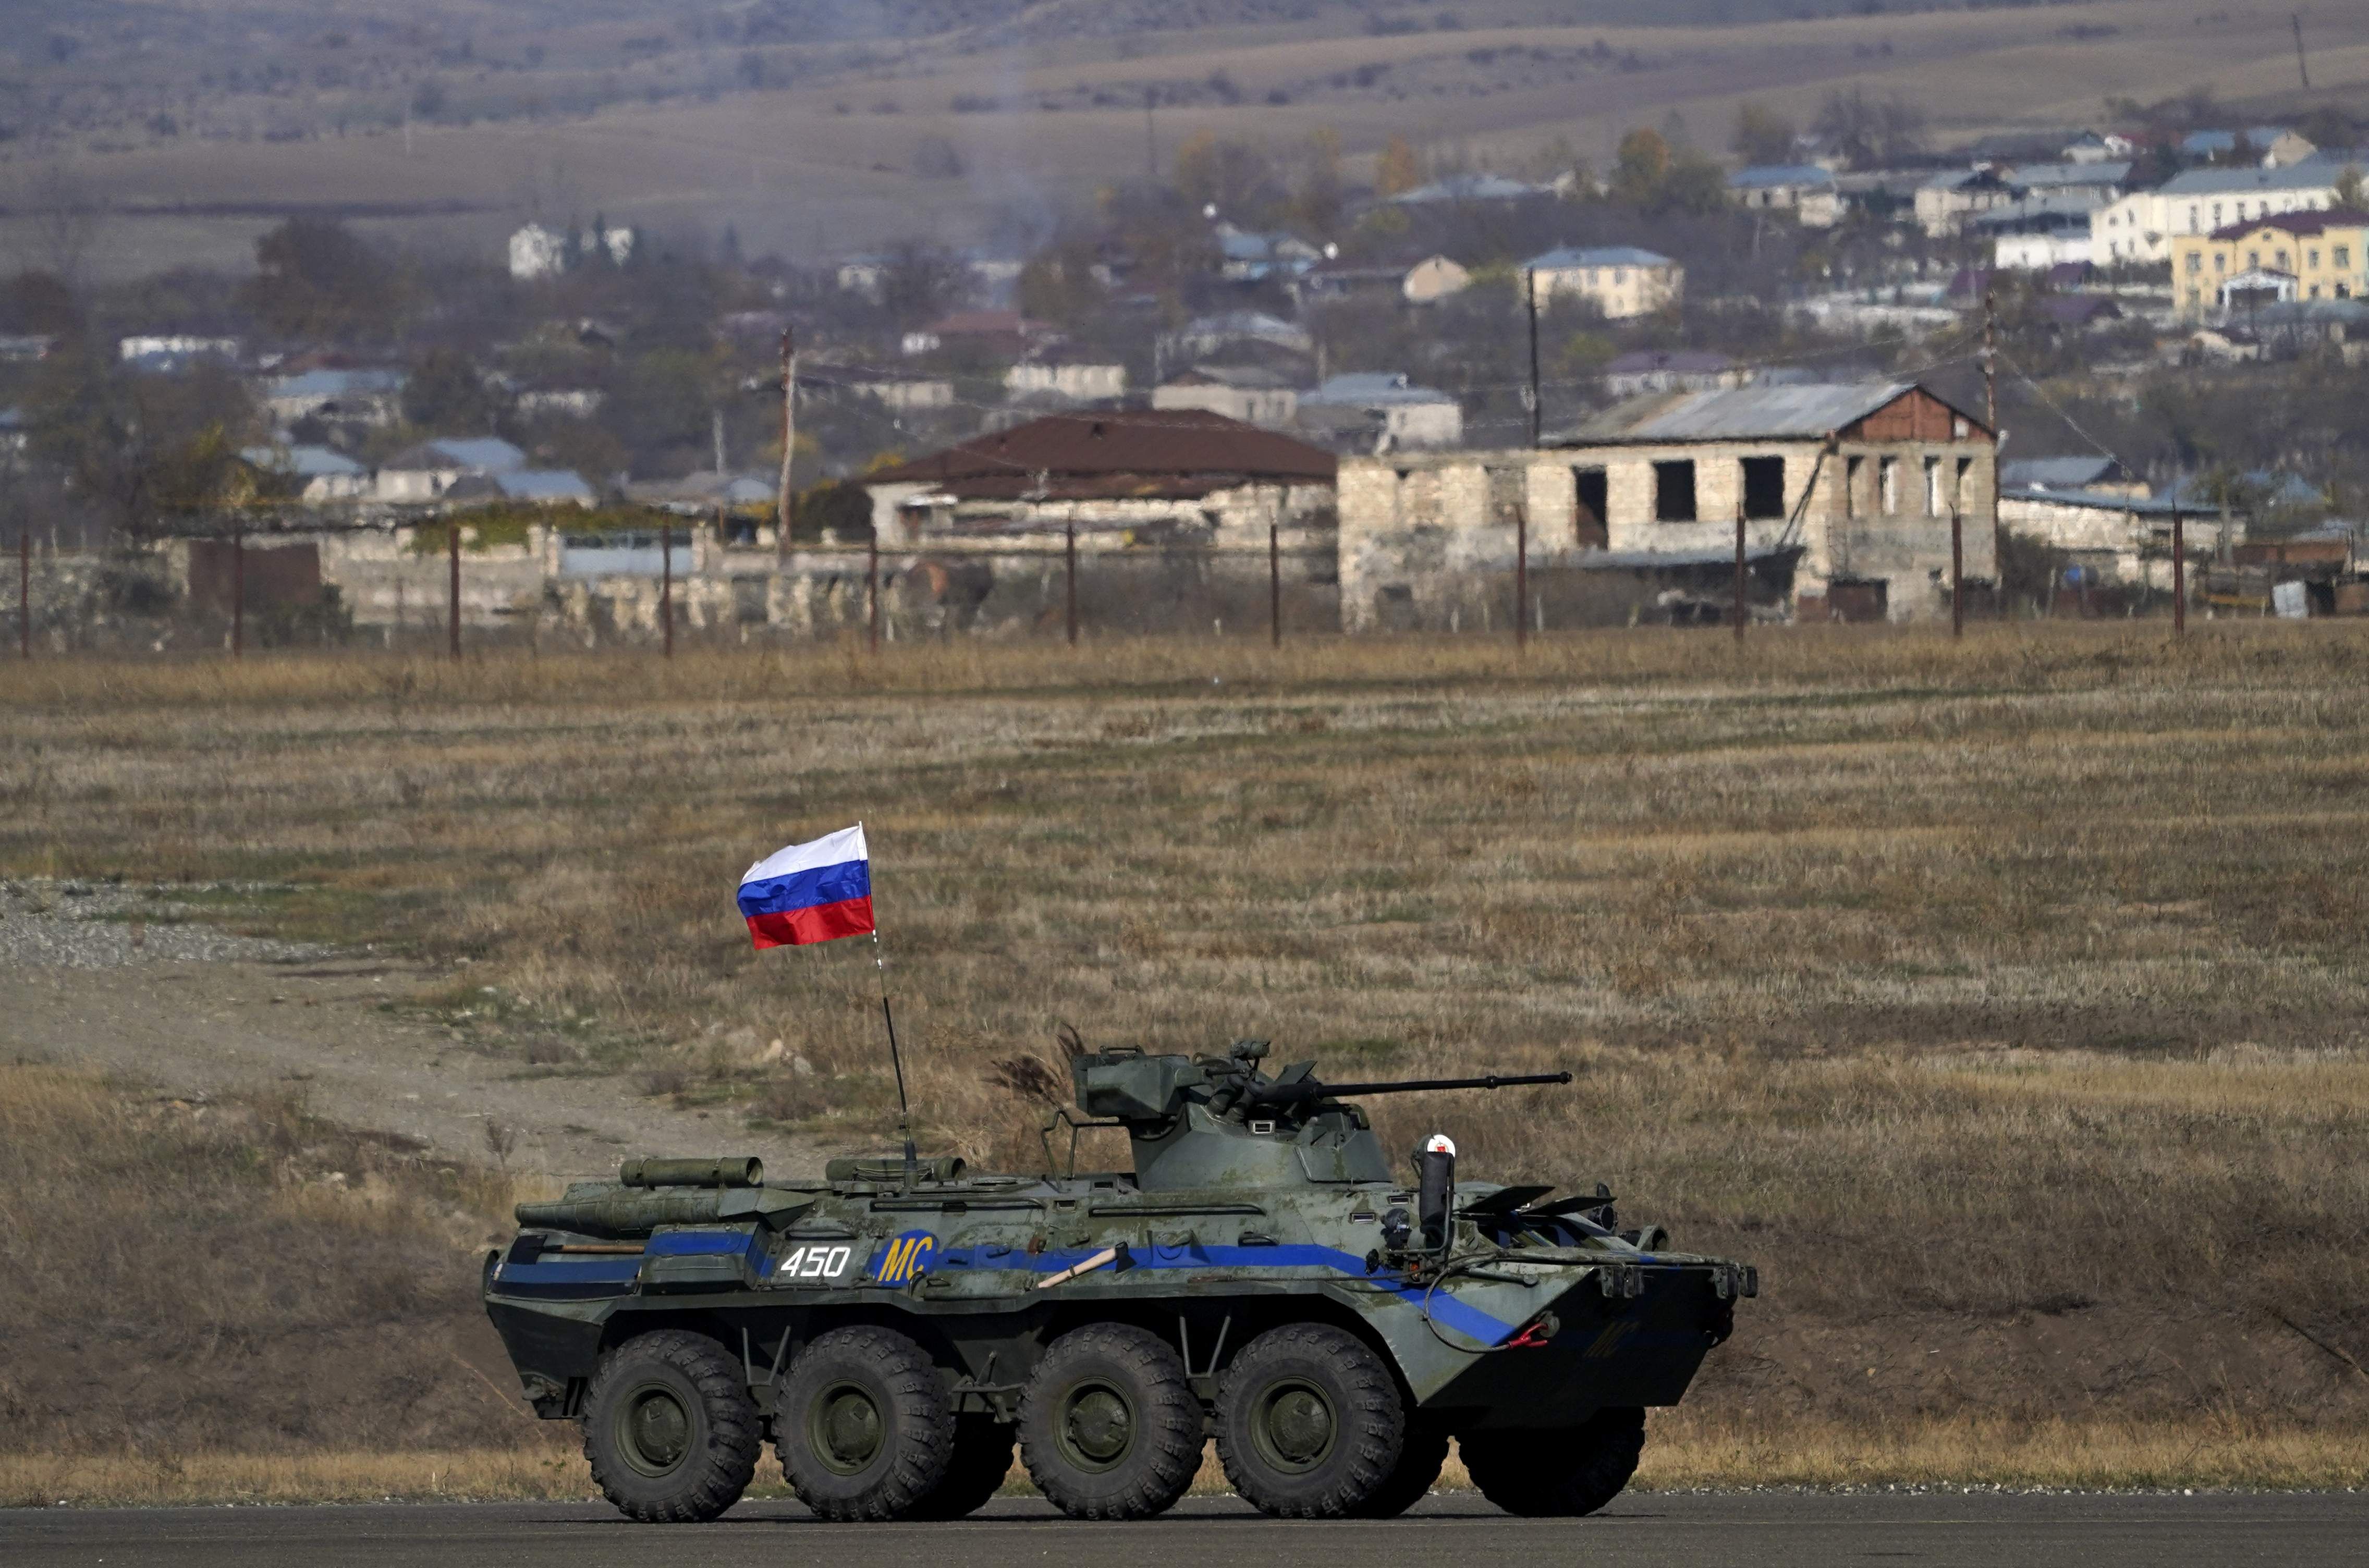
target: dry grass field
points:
(824, 166)
(2003, 1000)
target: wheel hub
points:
(655, 1430)
(1295, 1426)
(1097, 1426)
(847, 1429)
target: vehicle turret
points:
(1219, 1121)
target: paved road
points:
(1775, 1530)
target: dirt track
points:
(197, 1012)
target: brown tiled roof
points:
(2299, 223)
(1162, 451)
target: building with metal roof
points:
(1620, 281)
(1844, 494)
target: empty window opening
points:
(1852, 478)
(1674, 491)
(1958, 492)
(1587, 513)
(1932, 486)
(1764, 488)
(1887, 486)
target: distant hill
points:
(817, 127)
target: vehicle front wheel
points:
(862, 1427)
(1557, 1474)
(1309, 1422)
(1109, 1428)
(669, 1429)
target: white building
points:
(1807, 191)
(1252, 393)
(537, 252)
(1621, 280)
(1055, 378)
(1376, 411)
(2139, 227)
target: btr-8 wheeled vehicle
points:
(1262, 1277)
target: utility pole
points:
(666, 588)
(237, 591)
(1531, 291)
(2301, 69)
(1069, 552)
(1150, 143)
(24, 589)
(2179, 574)
(1274, 585)
(1739, 574)
(1521, 577)
(453, 592)
(1957, 572)
(789, 443)
(1990, 361)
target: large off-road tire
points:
(862, 1425)
(1109, 1428)
(1421, 1455)
(669, 1429)
(1310, 1425)
(982, 1458)
(1557, 1474)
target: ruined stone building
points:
(1845, 493)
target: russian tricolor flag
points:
(810, 892)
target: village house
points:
(427, 471)
(315, 475)
(1252, 393)
(2141, 226)
(362, 396)
(1805, 190)
(2114, 534)
(1380, 411)
(2320, 255)
(1062, 376)
(2093, 470)
(1434, 279)
(899, 391)
(1845, 496)
(1642, 370)
(1179, 476)
(1946, 203)
(1620, 281)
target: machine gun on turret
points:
(1194, 1118)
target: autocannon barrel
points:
(1310, 1088)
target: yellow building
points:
(2296, 256)
(1620, 279)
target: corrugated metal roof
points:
(1761, 176)
(1375, 387)
(2305, 176)
(1566, 256)
(545, 484)
(2056, 473)
(2042, 175)
(2100, 501)
(1744, 412)
(1128, 452)
(489, 454)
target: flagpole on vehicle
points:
(896, 1062)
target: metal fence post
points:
(1521, 577)
(453, 592)
(1274, 586)
(666, 588)
(24, 589)
(1070, 550)
(1739, 572)
(2179, 575)
(1957, 573)
(872, 587)
(237, 592)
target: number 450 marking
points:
(812, 1262)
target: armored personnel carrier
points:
(1264, 1275)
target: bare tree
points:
(65, 221)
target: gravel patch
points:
(101, 925)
